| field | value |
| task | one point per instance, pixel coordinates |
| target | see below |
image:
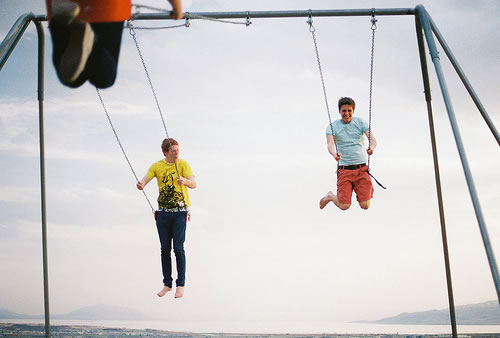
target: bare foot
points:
(326, 199)
(179, 292)
(164, 291)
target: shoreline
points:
(85, 330)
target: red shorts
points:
(357, 180)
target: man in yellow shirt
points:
(174, 176)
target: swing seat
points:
(100, 10)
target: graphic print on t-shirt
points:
(169, 198)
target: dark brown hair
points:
(347, 100)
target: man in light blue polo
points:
(345, 138)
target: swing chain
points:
(313, 30)
(373, 28)
(121, 146)
(374, 20)
(157, 105)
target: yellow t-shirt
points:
(171, 196)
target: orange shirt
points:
(100, 10)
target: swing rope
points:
(121, 146)
(312, 29)
(374, 27)
(133, 34)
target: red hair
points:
(167, 143)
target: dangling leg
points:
(165, 234)
(103, 62)
(330, 197)
(364, 188)
(344, 191)
(76, 55)
(179, 236)
(72, 42)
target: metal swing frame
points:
(426, 31)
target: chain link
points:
(312, 29)
(121, 146)
(373, 28)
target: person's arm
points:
(330, 140)
(142, 183)
(176, 12)
(373, 142)
(189, 181)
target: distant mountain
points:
(95, 312)
(473, 314)
(103, 312)
(6, 314)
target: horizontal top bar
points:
(282, 14)
(272, 14)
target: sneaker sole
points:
(77, 53)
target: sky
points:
(247, 107)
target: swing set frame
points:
(426, 32)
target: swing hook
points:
(130, 26)
(310, 22)
(248, 22)
(374, 20)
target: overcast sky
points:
(246, 105)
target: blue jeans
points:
(172, 228)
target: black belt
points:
(352, 166)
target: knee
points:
(344, 206)
(179, 251)
(364, 205)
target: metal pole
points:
(465, 81)
(428, 99)
(461, 151)
(164, 15)
(41, 51)
(13, 36)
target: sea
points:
(275, 328)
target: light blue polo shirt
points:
(350, 140)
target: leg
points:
(344, 191)
(363, 188)
(103, 62)
(62, 35)
(179, 236)
(330, 197)
(165, 235)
